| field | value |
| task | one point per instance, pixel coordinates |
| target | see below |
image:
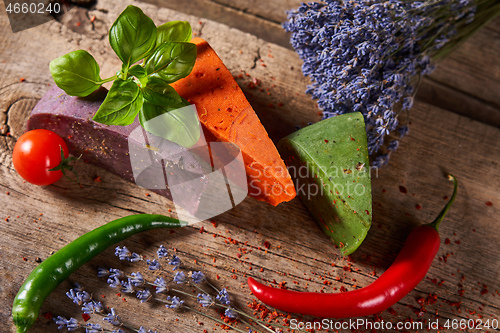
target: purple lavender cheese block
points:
(111, 147)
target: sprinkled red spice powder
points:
(489, 203)
(85, 316)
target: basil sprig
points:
(138, 89)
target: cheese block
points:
(329, 162)
(113, 147)
(227, 116)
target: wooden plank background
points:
(454, 128)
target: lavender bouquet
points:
(368, 56)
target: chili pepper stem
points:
(435, 224)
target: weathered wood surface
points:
(38, 220)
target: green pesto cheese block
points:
(329, 164)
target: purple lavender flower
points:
(78, 297)
(71, 324)
(135, 257)
(102, 272)
(161, 252)
(127, 286)
(122, 253)
(114, 282)
(223, 297)
(154, 265)
(92, 328)
(198, 277)
(114, 272)
(160, 284)
(144, 295)
(175, 261)
(363, 56)
(180, 277)
(137, 279)
(175, 302)
(112, 318)
(92, 307)
(205, 300)
(230, 313)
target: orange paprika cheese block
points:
(227, 116)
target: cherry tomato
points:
(35, 153)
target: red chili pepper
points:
(409, 268)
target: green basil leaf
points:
(138, 71)
(171, 61)
(121, 105)
(132, 36)
(158, 92)
(180, 125)
(77, 73)
(174, 31)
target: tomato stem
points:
(65, 165)
(435, 224)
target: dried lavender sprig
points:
(91, 306)
(206, 316)
(197, 277)
(73, 324)
(224, 301)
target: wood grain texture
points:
(34, 221)
(259, 18)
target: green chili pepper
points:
(55, 269)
